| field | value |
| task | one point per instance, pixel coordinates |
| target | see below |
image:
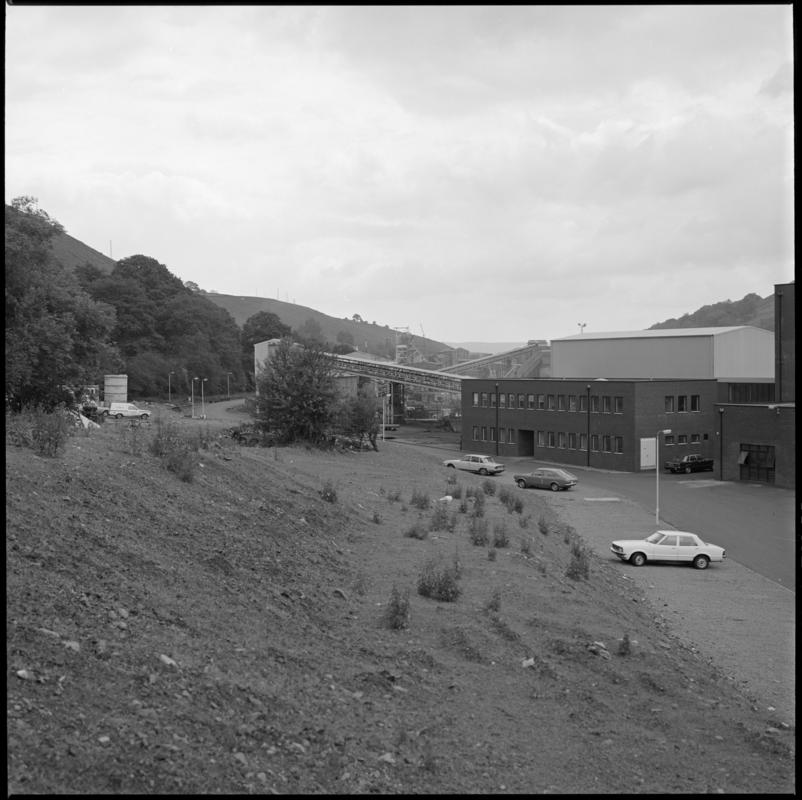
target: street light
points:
(496, 419)
(228, 386)
(169, 387)
(203, 407)
(657, 474)
(582, 326)
(193, 396)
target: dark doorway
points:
(526, 443)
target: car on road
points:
(546, 478)
(689, 463)
(680, 546)
(120, 410)
(483, 465)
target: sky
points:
(473, 173)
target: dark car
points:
(546, 478)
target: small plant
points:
(439, 519)
(504, 495)
(417, 531)
(328, 492)
(478, 505)
(452, 478)
(438, 582)
(523, 522)
(517, 505)
(452, 523)
(500, 537)
(624, 646)
(478, 532)
(377, 517)
(394, 496)
(420, 500)
(396, 614)
(491, 554)
(488, 487)
(526, 545)
(494, 603)
(456, 491)
(463, 506)
(360, 584)
(182, 463)
(456, 564)
(579, 566)
(543, 526)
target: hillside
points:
(750, 310)
(232, 635)
(72, 253)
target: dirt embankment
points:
(228, 634)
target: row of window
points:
(550, 402)
(575, 441)
(605, 404)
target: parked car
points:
(120, 410)
(484, 465)
(680, 546)
(546, 478)
(689, 463)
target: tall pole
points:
(496, 418)
(169, 387)
(587, 443)
(720, 443)
(203, 407)
(657, 475)
(228, 386)
(193, 397)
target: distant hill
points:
(751, 310)
(490, 348)
(72, 253)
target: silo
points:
(115, 389)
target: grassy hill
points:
(750, 310)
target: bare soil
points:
(228, 635)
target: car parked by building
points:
(120, 410)
(482, 465)
(690, 463)
(677, 546)
(546, 478)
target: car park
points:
(120, 410)
(669, 546)
(482, 465)
(546, 478)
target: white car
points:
(120, 410)
(484, 465)
(669, 546)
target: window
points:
(694, 438)
(583, 402)
(594, 442)
(501, 435)
(583, 441)
(572, 441)
(669, 541)
(594, 403)
(607, 404)
(484, 399)
(541, 439)
(502, 400)
(521, 401)
(492, 433)
(561, 402)
(475, 399)
(687, 541)
(682, 403)
(669, 439)
(682, 438)
(484, 433)
(541, 402)
(531, 401)
(619, 444)
(669, 403)
(476, 433)
(607, 444)
(572, 402)
(511, 401)
(551, 402)
(551, 438)
(618, 405)
(561, 440)
(493, 396)
(511, 435)
(695, 402)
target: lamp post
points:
(193, 397)
(587, 411)
(657, 474)
(496, 417)
(720, 443)
(228, 386)
(169, 387)
(582, 326)
(203, 407)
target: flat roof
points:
(656, 333)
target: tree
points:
(359, 416)
(310, 333)
(297, 394)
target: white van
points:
(120, 410)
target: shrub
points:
(439, 519)
(489, 487)
(517, 505)
(42, 430)
(394, 496)
(478, 532)
(504, 495)
(328, 492)
(500, 538)
(491, 554)
(463, 507)
(579, 566)
(438, 582)
(420, 500)
(526, 545)
(543, 526)
(455, 491)
(494, 603)
(479, 505)
(417, 531)
(377, 517)
(523, 522)
(456, 564)
(173, 449)
(452, 478)
(396, 614)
